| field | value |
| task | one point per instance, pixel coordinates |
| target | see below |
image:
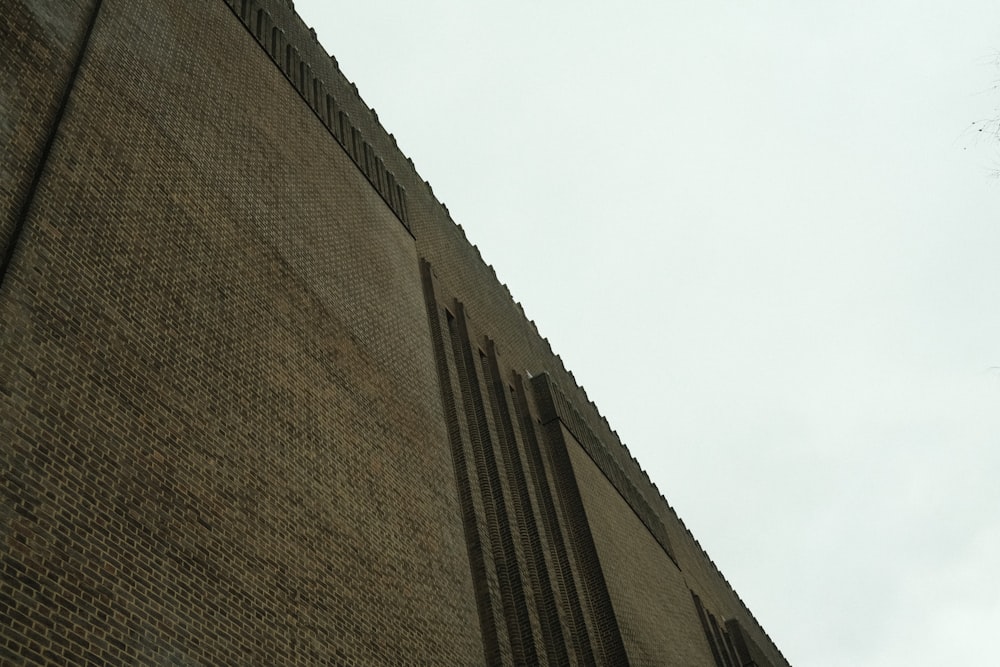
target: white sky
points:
(764, 238)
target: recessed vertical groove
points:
(511, 587)
(569, 596)
(731, 647)
(610, 645)
(739, 642)
(520, 513)
(487, 622)
(538, 573)
(706, 626)
(713, 623)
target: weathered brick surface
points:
(221, 426)
(261, 402)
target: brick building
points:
(262, 403)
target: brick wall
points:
(39, 47)
(648, 591)
(222, 433)
(261, 401)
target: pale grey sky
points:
(764, 238)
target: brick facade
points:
(261, 402)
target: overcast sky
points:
(764, 237)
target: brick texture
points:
(261, 402)
(222, 433)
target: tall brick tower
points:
(262, 403)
